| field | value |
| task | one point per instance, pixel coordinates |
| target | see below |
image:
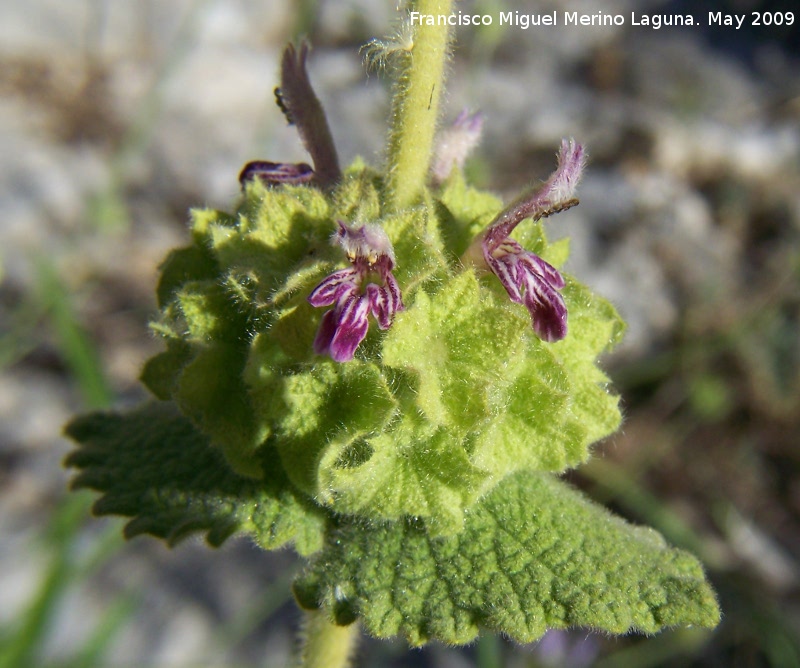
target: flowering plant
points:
(388, 369)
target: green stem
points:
(416, 105)
(325, 644)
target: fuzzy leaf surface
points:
(154, 466)
(534, 554)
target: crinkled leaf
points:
(534, 554)
(418, 247)
(209, 313)
(162, 371)
(320, 412)
(356, 199)
(211, 392)
(182, 265)
(412, 468)
(559, 404)
(154, 466)
(278, 232)
(459, 347)
(479, 369)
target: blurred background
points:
(116, 117)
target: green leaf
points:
(417, 246)
(411, 469)
(162, 371)
(202, 371)
(211, 392)
(534, 554)
(279, 231)
(559, 403)
(194, 263)
(153, 466)
(356, 198)
(464, 212)
(320, 413)
(207, 312)
(458, 346)
(479, 370)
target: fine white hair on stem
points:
(379, 54)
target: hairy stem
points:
(416, 104)
(325, 644)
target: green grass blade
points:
(74, 344)
(21, 645)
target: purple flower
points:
(302, 108)
(455, 143)
(368, 286)
(527, 278)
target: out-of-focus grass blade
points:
(19, 649)
(75, 346)
(21, 645)
(19, 339)
(244, 623)
(489, 38)
(755, 618)
(304, 18)
(115, 618)
(18, 646)
(108, 210)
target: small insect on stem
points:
(561, 206)
(282, 106)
